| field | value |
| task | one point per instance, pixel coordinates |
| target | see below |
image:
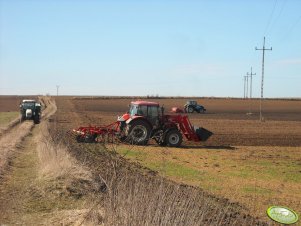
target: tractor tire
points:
(190, 109)
(202, 111)
(173, 138)
(80, 139)
(22, 118)
(89, 138)
(139, 132)
(36, 119)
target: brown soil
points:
(11, 103)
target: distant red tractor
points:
(144, 121)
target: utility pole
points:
(245, 87)
(250, 75)
(262, 75)
(247, 78)
(57, 89)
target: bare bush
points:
(64, 176)
(137, 199)
(137, 196)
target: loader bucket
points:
(202, 133)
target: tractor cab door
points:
(153, 114)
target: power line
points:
(291, 28)
(270, 18)
(278, 15)
(262, 74)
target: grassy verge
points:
(7, 117)
(45, 185)
(257, 177)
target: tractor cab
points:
(142, 109)
(146, 109)
(28, 104)
(191, 102)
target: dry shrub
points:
(135, 196)
(57, 164)
(12, 124)
(62, 178)
(136, 199)
(55, 161)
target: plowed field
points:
(244, 168)
(226, 118)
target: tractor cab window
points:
(133, 110)
(138, 110)
(152, 111)
(142, 110)
(28, 105)
(192, 102)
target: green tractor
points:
(30, 110)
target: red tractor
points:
(144, 121)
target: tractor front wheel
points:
(190, 109)
(173, 138)
(36, 119)
(89, 138)
(139, 132)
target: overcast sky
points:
(168, 48)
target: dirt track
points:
(15, 134)
(42, 184)
(10, 140)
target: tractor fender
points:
(123, 118)
(134, 118)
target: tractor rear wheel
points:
(173, 138)
(139, 132)
(36, 119)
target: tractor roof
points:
(26, 101)
(146, 103)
